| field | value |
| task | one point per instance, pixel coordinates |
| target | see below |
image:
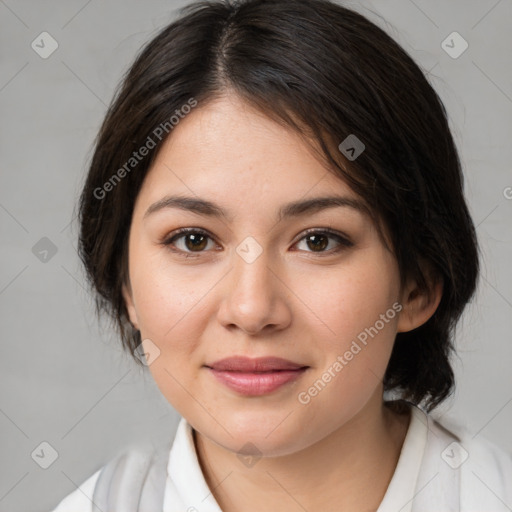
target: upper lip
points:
(259, 364)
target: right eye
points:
(194, 241)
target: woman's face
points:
(252, 283)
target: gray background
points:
(64, 378)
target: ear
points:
(418, 306)
(130, 307)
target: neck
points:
(351, 467)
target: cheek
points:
(349, 299)
(358, 311)
(169, 309)
(166, 295)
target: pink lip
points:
(258, 364)
(255, 376)
(256, 383)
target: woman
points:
(274, 216)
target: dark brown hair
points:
(326, 72)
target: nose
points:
(255, 297)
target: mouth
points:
(258, 383)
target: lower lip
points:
(256, 384)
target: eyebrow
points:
(293, 209)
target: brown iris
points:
(198, 241)
(322, 245)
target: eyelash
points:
(344, 242)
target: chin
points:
(252, 434)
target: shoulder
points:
(479, 452)
(137, 474)
(467, 465)
(486, 475)
(80, 500)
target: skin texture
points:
(296, 301)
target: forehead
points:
(229, 151)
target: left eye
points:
(196, 241)
(320, 240)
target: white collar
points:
(188, 487)
(402, 487)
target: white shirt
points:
(438, 470)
